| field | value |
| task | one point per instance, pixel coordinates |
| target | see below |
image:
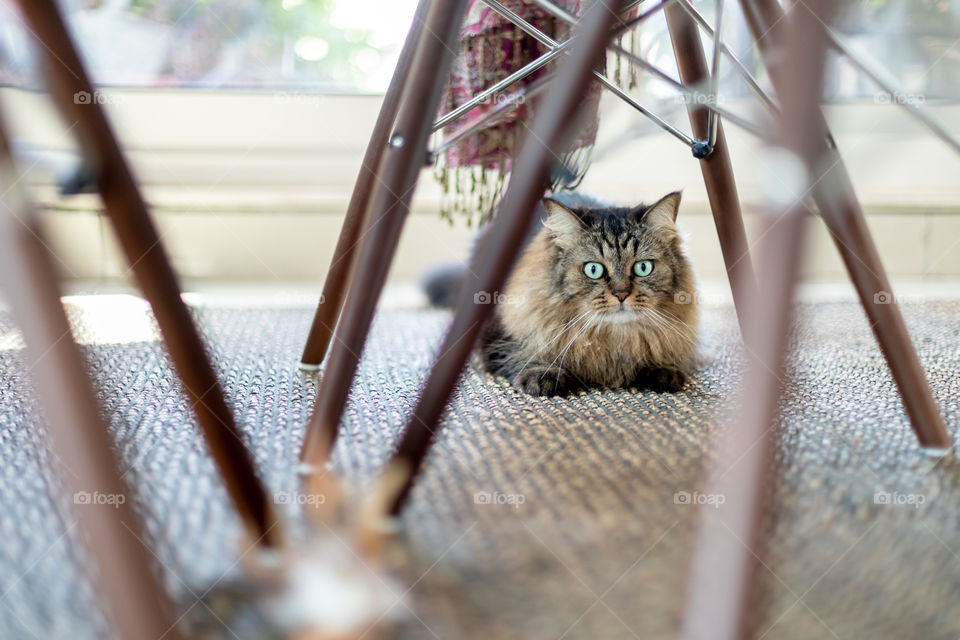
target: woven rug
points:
(534, 518)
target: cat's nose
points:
(621, 295)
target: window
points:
(915, 42)
(329, 46)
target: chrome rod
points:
(702, 99)
(602, 79)
(569, 18)
(555, 11)
(633, 58)
(499, 111)
(557, 48)
(558, 12)
(715, 76)
(890, 87)
(632, 22)
(739, 66)
(663, 124)
(514, 77)
(519, 21)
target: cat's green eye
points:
(643, 268)
(593, 270)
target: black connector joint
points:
(701, 149)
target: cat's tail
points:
(442, 284)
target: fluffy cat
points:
(601, 297)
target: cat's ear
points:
(661, 215)
(563, 223)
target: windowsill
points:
(249, 185)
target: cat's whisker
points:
(672, 318)
(659, 320)
(570, 342)
(654, 323)
(566, 327)
(591, 321)
(667, 326)
(667, 334)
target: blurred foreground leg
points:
(110, 527)
(729, 541)
(68, 83)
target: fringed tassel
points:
(618, 67)
(442, 175)
(635, 49)
(474, 191)
(625, 74)
(475, 204)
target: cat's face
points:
(621, 264)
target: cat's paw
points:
(546, 381)
(661, 379)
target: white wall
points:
(252, 186)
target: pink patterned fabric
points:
(492, 49)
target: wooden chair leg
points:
(125, 578)
(400, 165)
(502, 243)
(844, 218)
(338, 277)
(729, 538)
(716, 167)
(66, 77)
